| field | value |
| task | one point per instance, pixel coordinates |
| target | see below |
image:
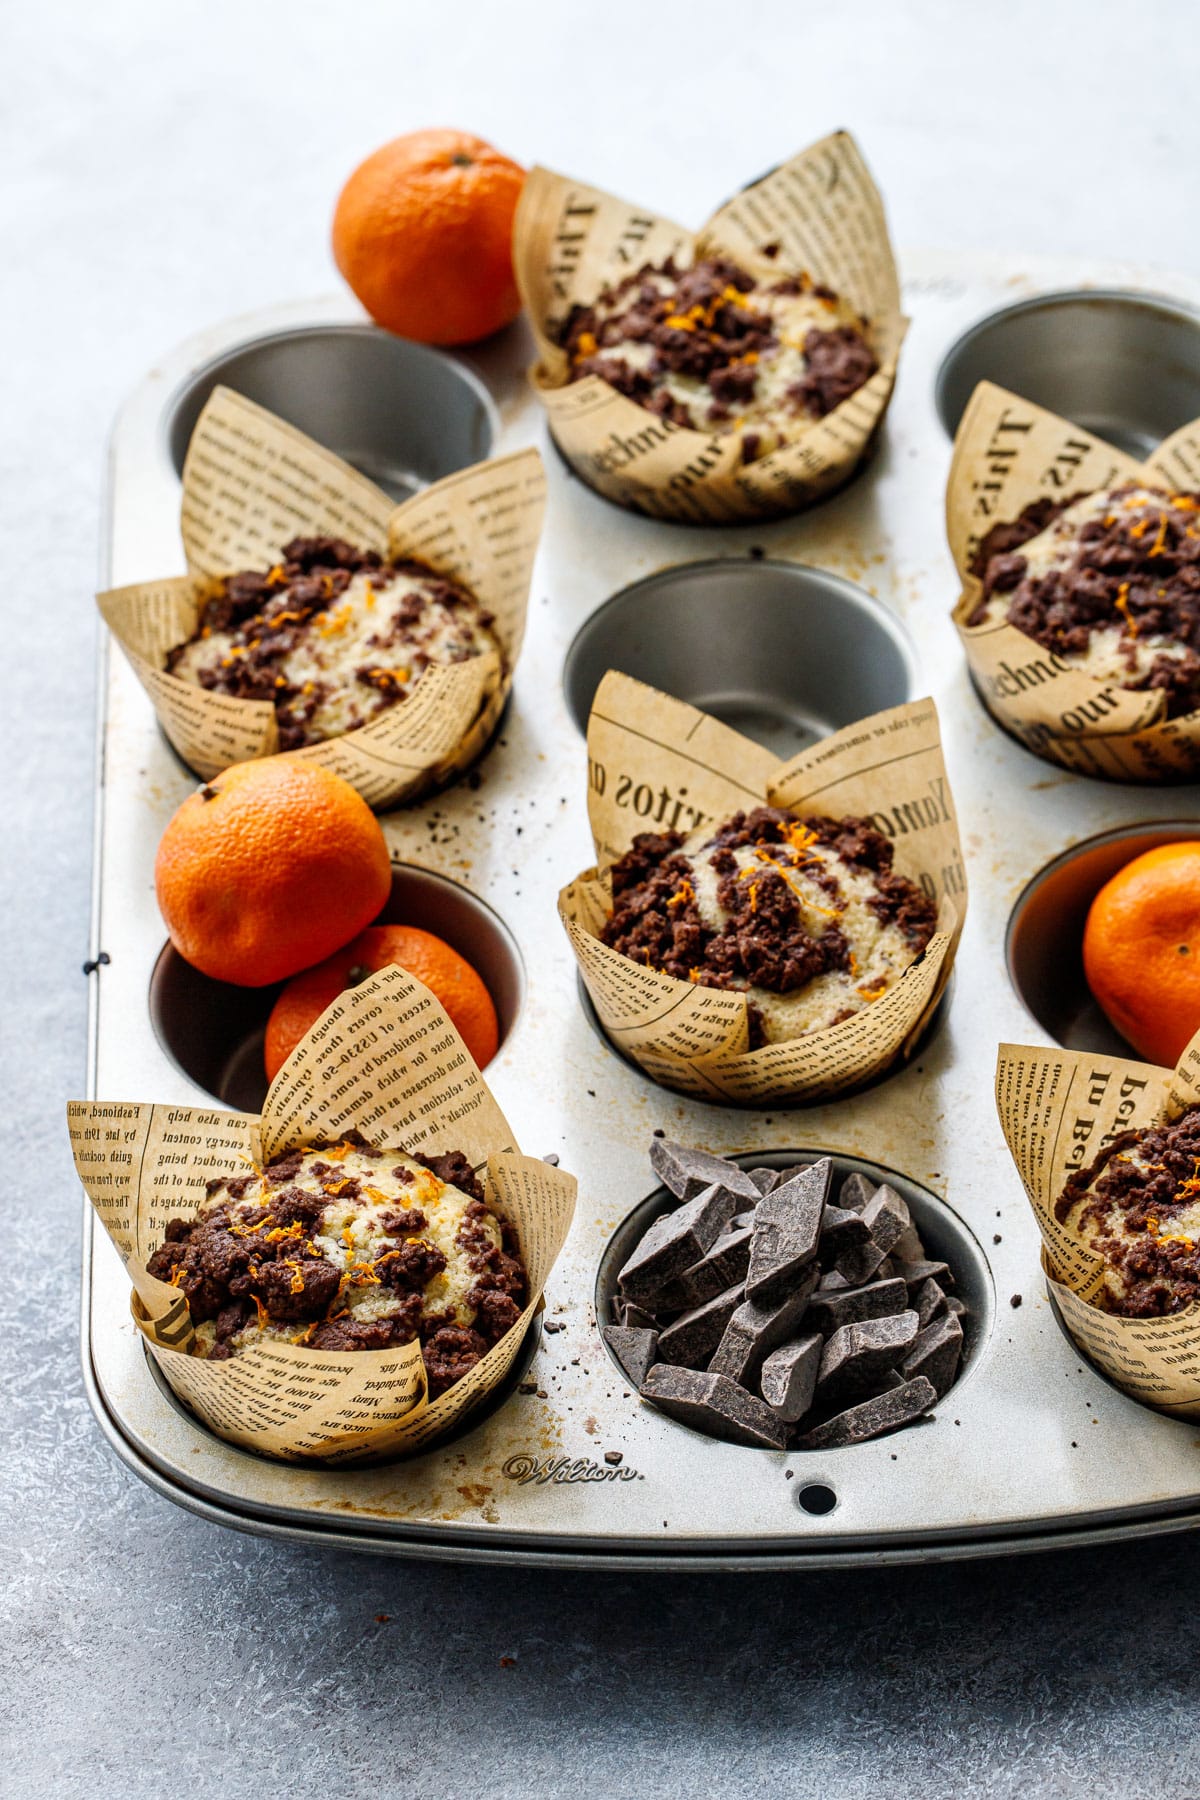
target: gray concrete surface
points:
(167, 165)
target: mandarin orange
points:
(1141, 950)
(269, 867)
(422, 232)
(447, 975)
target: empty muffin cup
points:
(944, 1235)
(1045, 933)
(784, 653)
(402, 414)
(1124, 365)
(214, 1031)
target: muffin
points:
(1108, 581)
(715, 349)
(332, 636)
(806, 917)
(348, 1246)
(1137, 1208)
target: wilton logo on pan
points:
(523, 1469)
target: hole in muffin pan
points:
(946, 1238)
(781, 652)
(1044, 943)
(1124, 365)
(402, 414)
(931, 1030)
(814, 1497)
(214, 1032)
(475, 1415)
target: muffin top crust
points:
(1137, 1207)
(806, 917)
(348, 1247)
(1109, 581)
(332, 636)
(713, 348)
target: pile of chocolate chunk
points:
(760, 1312)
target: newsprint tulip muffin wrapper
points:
(1008, 452)
(656, 763)
(571, 241)
(384, 1060)
(1058, 1108)
(252, 482)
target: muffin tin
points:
(1032, 1447)
(1124, 365)
(782, 653)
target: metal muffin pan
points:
(1124, 365)
(213, 1032)
(404, 415)
(944, 1235)
(1045, 933)
(782, 653)
(1031, 1448)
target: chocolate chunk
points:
(841, 1230)
(908, 1246)
(856, 1191)
(887, 1217)
(856, 1355)
(871, 1418)
(787, 1226)
(936, 1353)
(742, 1221)
(676, 1241)
(686, 1171)
(832, 1280)
(955, 1305)
(861, 1262)
(831, 1308)
(630, 1314)
(766, 1179)
(914, 1273)
(693, 1337)
(635, 1350)
(713, 1403)
(725, 1264)
(758, 1327)
(929, 1302)
(789, 1377)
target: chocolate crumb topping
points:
(766, 938)
(1135, 567)
(454, 1169)
(264, 617)
(1131, 1203)
(839, 362)
(241, 1264)
(716, 326)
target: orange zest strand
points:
(1122, 605)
